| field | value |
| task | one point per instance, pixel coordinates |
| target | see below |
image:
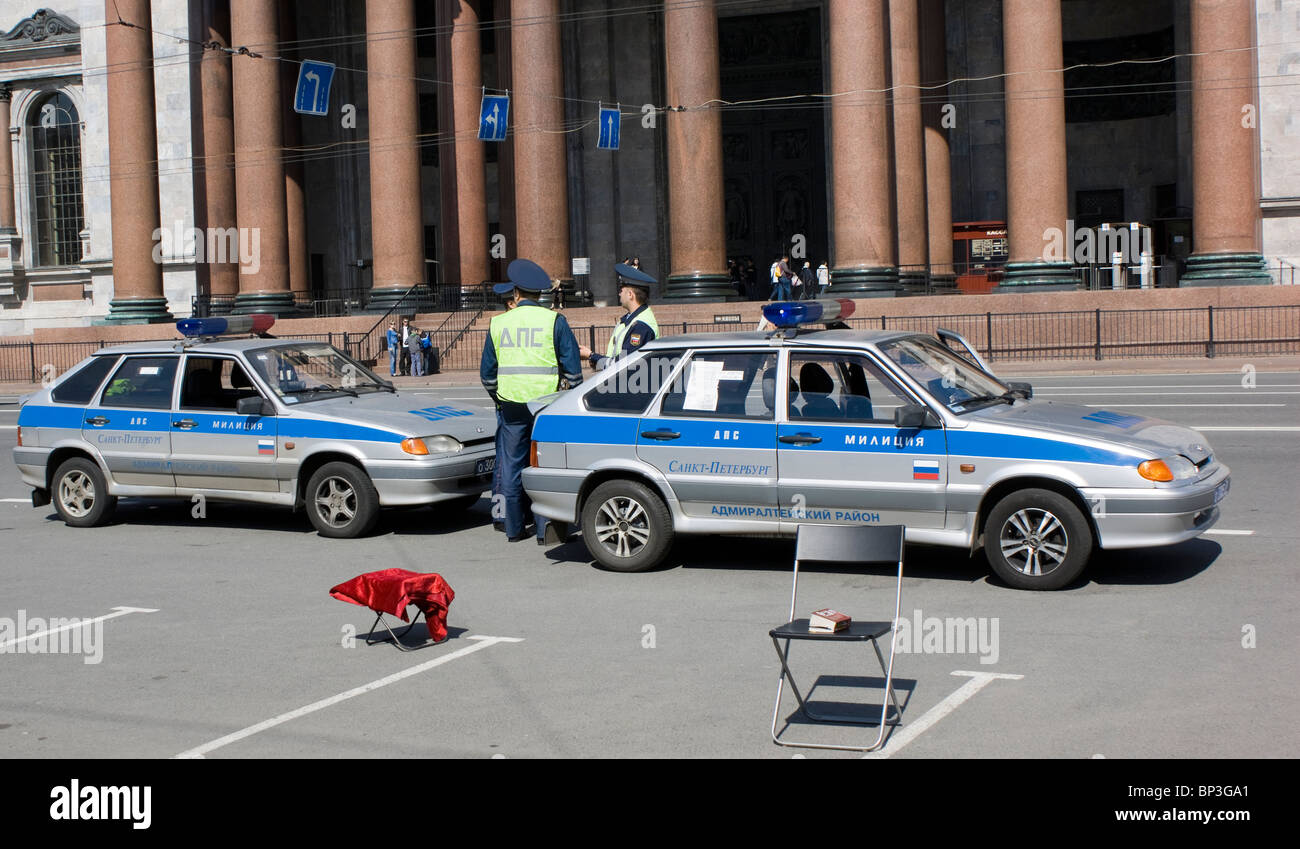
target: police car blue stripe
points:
(313, 429)
(591, 430)
(160, 421)
(710, 433)
(32, 415)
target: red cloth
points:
(392, 590)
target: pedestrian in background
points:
(393, 340)
(557, 294)
(823, 279)
(414, 352)
(809, 281)
(406, 353)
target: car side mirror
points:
(1024, 390)
(254, 405)
(912, 416)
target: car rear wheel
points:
(342, 501)
(1037, 539)
(81, 494)
(626, 526)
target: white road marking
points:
(978, 681)
(81, 623)
(1126, 404)
(8, 427)
(483, 642)
(15, 501)
(1229, 533)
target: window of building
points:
(55, 131)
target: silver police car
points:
(754, 433)
(273, 421)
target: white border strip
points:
(80, 623)
(483, 642)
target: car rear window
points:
(631, 389)
(80, 386)
(142, 382)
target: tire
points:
(342, 501)
(80, 494)
(626, 526)
(1037, 539)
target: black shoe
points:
(499, 526)
(541, 542)
(522, 536)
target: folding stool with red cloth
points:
(392, 591)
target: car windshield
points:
(952, 381)
(303, 372)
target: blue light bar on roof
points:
(783, 314)
(221, 326)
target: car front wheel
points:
(1037, 539)
(81, 494)
(626, 526)
(342, 501)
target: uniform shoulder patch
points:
(634, 339)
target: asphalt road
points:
(1188, 651)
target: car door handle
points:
(185, 424)
(661, 435)
(96, 421)
(800, 439)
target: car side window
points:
(80, 386)
(214, 383)
(142, 382)
(725, 384)
(829, 386)
(631, 388)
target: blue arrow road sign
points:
(492, 117)
(609, 126)
(312, 96)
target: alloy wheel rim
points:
(336, 502)
(1034, 541)
(77, 494)
(622, 526)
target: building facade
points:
(156, 157)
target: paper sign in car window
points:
(702, 385)
(149, 370)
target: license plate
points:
(485, 466)
(1220, 491)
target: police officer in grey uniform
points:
(636, 328)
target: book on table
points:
(828, 621)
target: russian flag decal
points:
(266, 446)
(925, 470)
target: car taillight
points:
(20, 437)
(532, 455)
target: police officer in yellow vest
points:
(528, 352)
(634, 329)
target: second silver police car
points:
(274, 421)
(752, 433)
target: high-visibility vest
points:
(621, 329)
(524, 340)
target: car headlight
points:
(442, 444)
(1175, 468)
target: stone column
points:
(938, 163)
(861, 162)
(259, 168)
(909, 146)
(218, 155)
(132, 163)
(6, 164)
(537, 115)
(697, 218)
(10, 241)
(1225, 148)
(471, 183)
(1037, 196)
(295, 200)
(396, 214)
